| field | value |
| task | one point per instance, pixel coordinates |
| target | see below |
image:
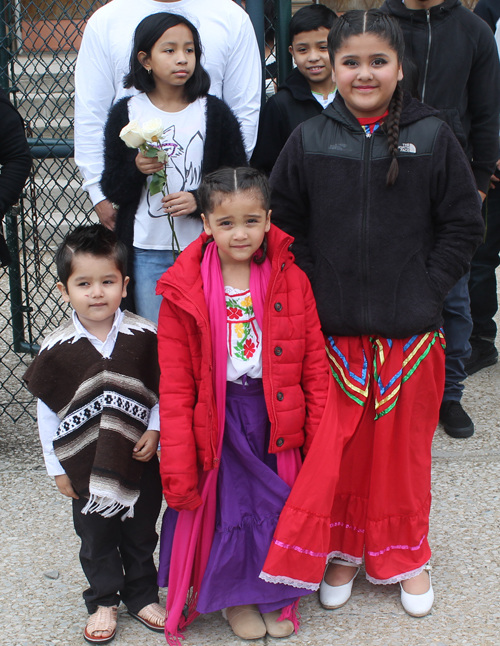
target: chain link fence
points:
(39, 41)
(38, 47)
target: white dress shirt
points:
(48, 421)
(231, 57)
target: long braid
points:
(392, 127)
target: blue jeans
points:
(149, 267)
(457, 330)
(483, 281)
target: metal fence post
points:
(283, 57)
(4, 48)
(16, 294)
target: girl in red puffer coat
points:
(244, 381)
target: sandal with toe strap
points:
(152, 616)
(103, 620)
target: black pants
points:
(483, 282)
(117, 556)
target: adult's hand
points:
(106, 214)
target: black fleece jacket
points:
(381, 259)
(15, 160)
(457, 58)
(122, 182)
(284, 111)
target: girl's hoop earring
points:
(150, 71)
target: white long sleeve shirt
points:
(48, 421)
(231, 57)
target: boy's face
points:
(95, 290)
(310, 53)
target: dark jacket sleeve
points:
(489, 11)
(272, 136)
(15, 157)
(458, 224)
(290, 201)
(484, 108)
(121, 180)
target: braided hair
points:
(374, 21)
(225, 182)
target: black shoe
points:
(455, 420)
(484, 353)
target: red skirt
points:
(365, 486)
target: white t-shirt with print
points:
(183, 139)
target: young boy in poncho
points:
(96, 380)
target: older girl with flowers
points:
(193, 132)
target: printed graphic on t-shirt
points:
(183, 139)
(183, 168)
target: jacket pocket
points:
(418, 304)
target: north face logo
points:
(407, 148)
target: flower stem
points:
(176, 248)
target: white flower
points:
(153, 130)
(133, 135)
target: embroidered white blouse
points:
(244, 336)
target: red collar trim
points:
(371, 121)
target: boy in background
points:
(96, 378)
(306, 91)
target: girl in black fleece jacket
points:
(199, 133)
(386, 216)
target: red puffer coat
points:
(294, 366)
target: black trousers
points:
(117, 556)
(483, 281)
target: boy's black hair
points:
(95, 240)
(374, 21)
(222, 183)
(147, 33)
(311, 18)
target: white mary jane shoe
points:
(418, 605)
(335, 596)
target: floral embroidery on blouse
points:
(242, 330)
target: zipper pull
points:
(368, 135)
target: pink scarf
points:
(195, 529)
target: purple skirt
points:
(250, 497)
